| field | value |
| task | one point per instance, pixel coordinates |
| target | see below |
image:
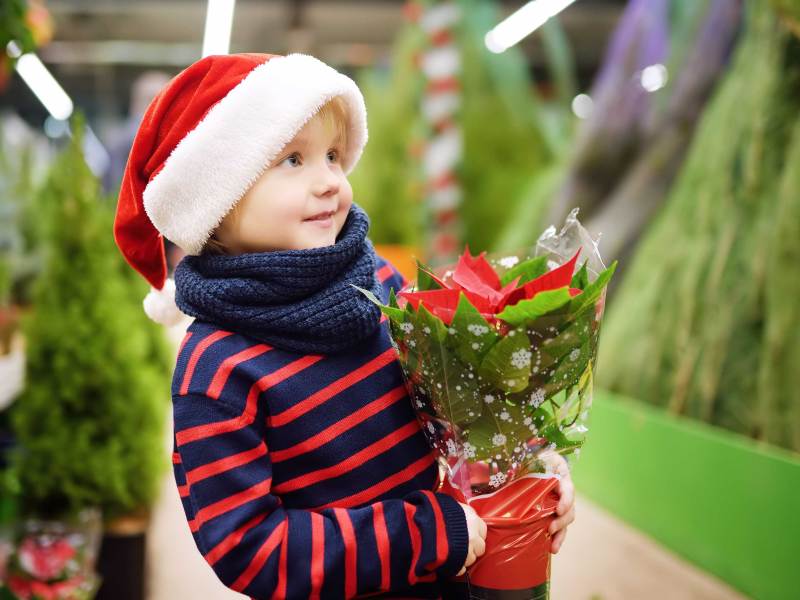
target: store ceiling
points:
(100, 47)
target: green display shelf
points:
(724, 502)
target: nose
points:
(326, 182)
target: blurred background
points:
(672, 125)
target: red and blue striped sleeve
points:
(389, 275)
(262, 548)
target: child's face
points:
(304, 180)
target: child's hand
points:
(476, 528)
(566, 503)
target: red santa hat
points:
(203, 141)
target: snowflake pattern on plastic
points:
(452, 449)
(498, 439)
(497, 479)
(469, 450)
(508, 261)
(406, 327)
(537, 397)
(477, 330)
(521, 359)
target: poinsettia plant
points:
(498, 353)
(52, 560)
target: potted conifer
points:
(90, 419)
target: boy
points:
(302, 468)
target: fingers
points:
(480, 547)
(482, 528)
(558, 540)
(566, 491)
(471, 558)
(477, 529)
(561, 523)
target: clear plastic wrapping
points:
(498, 352)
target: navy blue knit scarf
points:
(298, 300)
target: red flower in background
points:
(478, 281)
(45, 561)
(61, 590)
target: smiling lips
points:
(321, 216)
(322, 219)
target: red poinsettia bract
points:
(478, 281)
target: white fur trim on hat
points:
(215, 164)
(160, 304)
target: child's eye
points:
(333, 155)
(294, 159)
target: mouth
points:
(324, 219)
(322, 216)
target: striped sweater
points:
(309, 476)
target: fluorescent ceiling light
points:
(654, 77)
(219, 21)
(582, 106)
(521, 23)
(44, 86)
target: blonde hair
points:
(334, 117)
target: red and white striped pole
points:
(440, 64)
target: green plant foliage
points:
(706, 320)
(387, 178)
(502, 123)
(13, 26)
(498, 384)
(19, 223)
(90, 420)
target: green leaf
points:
(526, 311)
(453, 384)
(570, 369)
(528, 270)
(392, 298)
(428, 324)
(592, 291)
(573, 336)
(581, 279)
(395, 314)
(473, 336)
(507, 366)
(424, 280)
(482, 431)
(554, 434)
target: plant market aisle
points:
(602, 557)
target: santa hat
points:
(204, 139)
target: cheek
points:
(346, 195)
(345, 202)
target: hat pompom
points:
(160, 305)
